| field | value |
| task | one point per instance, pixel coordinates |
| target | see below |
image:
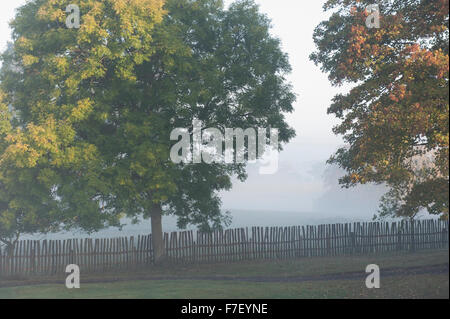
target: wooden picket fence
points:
(49, 257)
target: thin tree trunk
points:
(157, 234)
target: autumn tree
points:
(395, 119)
(52, 78)
(20, 190)
(112, 92)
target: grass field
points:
(406, 276)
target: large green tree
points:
(119, 99)
(395, 118)
(50, 176)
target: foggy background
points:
(305, 190)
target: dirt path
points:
(388, 272)
(355, 275)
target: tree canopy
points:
(53, 81)
(395, 119)
(94, 107)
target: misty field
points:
(418, 275)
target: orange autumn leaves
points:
(398, 108)
(425, 58)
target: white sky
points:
(295, 187)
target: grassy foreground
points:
(420, 286)
(235, 280)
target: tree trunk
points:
(157, 234)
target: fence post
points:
(399, 240)
(444, 238)
(353, 242)
(32, 261)
(71, 256)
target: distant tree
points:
(396, 117)
(111, 99)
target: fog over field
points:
(251, 203)
(305, 189)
